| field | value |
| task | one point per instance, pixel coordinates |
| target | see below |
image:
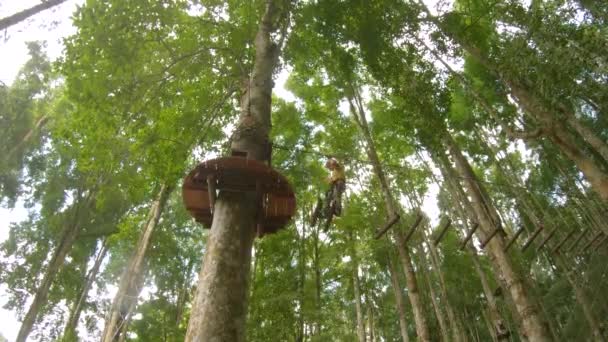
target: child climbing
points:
(332, 206)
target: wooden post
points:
(547, 238)
(532, 238)
(489, 238)
(578, 239)
(413, 229)
(442, 233)
(391, 222)
(561, 243)
(514, 238)
(211, 190)
(600, 243)
(469, 236)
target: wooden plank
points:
(413, 229)
(600, 243)
(546, 239)
(532, 238)
(391, 222)
(469, 236)
(489, 238)
(442, 233)
(514, 238)
(588, 244)
(561, 243)
(578, 239)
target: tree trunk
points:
(220, 307)
(37, 127)
(455, 324)
(552, 126)
(370, 320)
(20, 16)
(358, 115)
(398, 300)
(586, 133)
(316, 264)
(466, 210)
(532, 323)
(443, 326)
(412, 291)
(68, 238)
(69, 332)
(128, 289)
(358, 308)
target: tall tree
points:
(220, 306)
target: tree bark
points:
(457, 334)
(21, 16)
(358, 115)
(68, 238)
(552, 126)
(532, 323)
(398, 300)
(358, 308)
(443, 326)
(37, 127)
(69, 332)
(128, 289)
(466, 210)
(220, 307)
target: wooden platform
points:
(238, 174)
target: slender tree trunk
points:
(68, 238)
(220, 307)
(532, 323)
(128, 289)
(398, 300)
(318, 280)
(525, 201)
(370, 321)
(26, 138)
(358, 308)
(443, 326)
(21, 16)
(184, 293)
(69, 332)
(552, 126)
(358, 115)
(498, 330)
(457, 334)
(598, 144)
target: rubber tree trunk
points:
(220, 306)
(443, 326)
(358, 306)
(26, 138)
(552, 125)
(129, 288)
(69, 332)
(21, 16)
(370, 321)
(358, 114)
(398, 300)
(555, 130)
(524, 200)
(68, 237)
(532, 323)
(455, 324)
(466, 210)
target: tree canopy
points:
(478, 126)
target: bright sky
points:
(51, 26)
